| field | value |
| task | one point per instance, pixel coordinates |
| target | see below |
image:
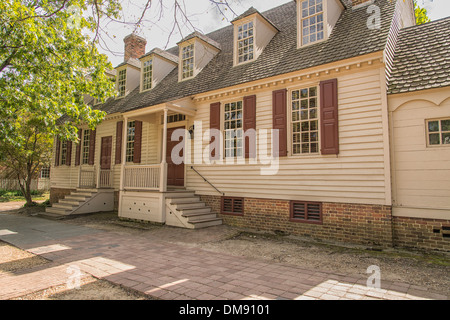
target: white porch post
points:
(163, 172)
(124, 153)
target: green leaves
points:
(48, 66)
(421, 14)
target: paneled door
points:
(105, 154)
(175, 172)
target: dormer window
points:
(245, 42)
(195, 52)
(147, 74)
(252, 33)
(187, 59)
(312, 21)
(122, 82)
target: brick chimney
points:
(134, 46)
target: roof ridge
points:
(423, 25)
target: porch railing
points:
(93, 177)
(87, 177)
(105, 178)
(147, 177)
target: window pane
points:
(434, 139)
(433, 126)
(446, 138)
(445, 125)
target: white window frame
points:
(183, 59)
(85, 146)
(237, 136)
(440, 132)
(144, 73)
(45, 173)
(63, 157)
(291, 120)
(120, 81)
(129, 151)
(237, 41)
(300, 19)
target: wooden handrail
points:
(222, 193)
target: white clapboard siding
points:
(421, 173)
(357, 175)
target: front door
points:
(175, 172)
(105, 154)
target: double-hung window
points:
(438, 132)
(304, 121)
(311, 21)
(85, 146)
(147, 74)
(245, 42)
(122, 82)
(130, 141)
(63, 152)
(187, 57)
(233, 126)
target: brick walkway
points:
(173, 271)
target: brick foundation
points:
(422, 233)
(57, 194)
(351, 223)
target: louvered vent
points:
(232, 205)
(306, 211)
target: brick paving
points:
(169, 271)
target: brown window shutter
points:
(329, 117)
(57, 151)
(250, 123)
(119, 131)
(69, 153)
(137, 142)
(78, 149)
(92, 147)
(214, 123)
(279, 118)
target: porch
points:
(157, 192)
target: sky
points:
(202, 15)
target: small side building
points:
(419, 112)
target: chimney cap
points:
(134, 36)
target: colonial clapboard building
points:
(306, 119)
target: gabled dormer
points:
(128, 76)
(316, 19)
(252, 32)
(196, 50)
(155, 66)
(128, 72)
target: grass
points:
(16, 195)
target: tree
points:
(421, 14)
(25, 162)
(47, 67)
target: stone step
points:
(179, 194)
(190, 205)
(204, 216)
(184, 200)
(70, 202)
(60, 211)
(66, 206)
(53, 216)
(77, 198)
(83, 194)
(195, 212)
(204, 223)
